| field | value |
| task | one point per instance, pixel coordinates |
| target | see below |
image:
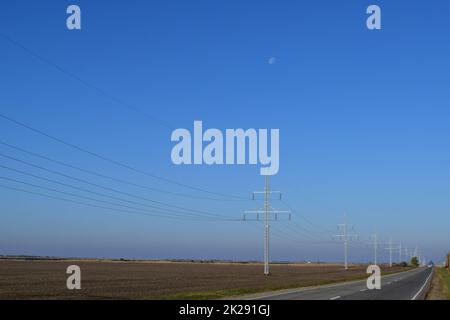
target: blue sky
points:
(363, 118)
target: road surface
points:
(410, 285)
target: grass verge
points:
(444, 276)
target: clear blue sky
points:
(363, 118)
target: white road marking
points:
(420, 290)
(319, 287)
(362, 290)
(335, 298)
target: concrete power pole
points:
(400, 252)
(390, 252)
(266, 227)
(375, 247)
(269, 213)
(345, 237)
(406, 253)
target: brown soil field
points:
(43, 279)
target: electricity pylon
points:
(390, 252)
(269, 213)
(374, 242)
(406, 253)
(345, 237)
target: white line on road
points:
(335, 298)
(420, 290)
(362, 290)
(312, 288)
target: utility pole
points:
(406, 253)
(269, 213)
(345, 237)
(375, 246)
(390, 252)
(400, 251)
(266, 227)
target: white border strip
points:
(421, 289)
(273, 294)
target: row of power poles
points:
(346, 235)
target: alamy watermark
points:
(374, 280)
(73, 22)
(373, 22)
(235, 146)
(74, 280)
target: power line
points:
(299, 232)
(85, 83)
(304, 232)
(283, 235)
(98, 185)
(112, 197)
(110, 177)
(86, 204)
(314, 235)
(325, 230)
(310, 232)
(355, 244)
(106, 202)
(117, 163)
(292, 237)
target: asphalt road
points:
(410, 285)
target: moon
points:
(272, 60)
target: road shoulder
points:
(267, 294)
